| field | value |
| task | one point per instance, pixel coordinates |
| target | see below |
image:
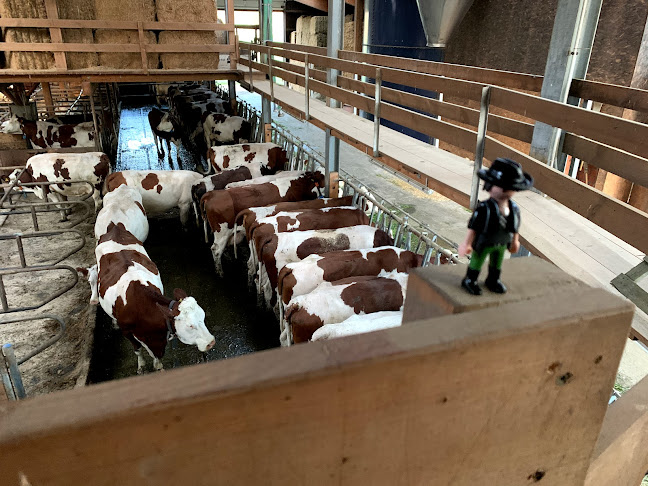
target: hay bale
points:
(318, 25)
(349, 37)
(196, 60)
(34, 9)
(78, 10)
(189, 11)
(137, 10)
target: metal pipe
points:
(376, 140)
(3, 296)
(94, 118)
(307, 91)
(14, 372)
(250, 66)
(270, 73)
(6, 379)
(21, 251)
(479, 149)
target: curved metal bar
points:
(45, 268)
(46, 344)
(20, 237)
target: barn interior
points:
(398, 104)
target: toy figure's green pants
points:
(496, 257)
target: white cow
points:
(358, 324)
(93, 167)
(161, 190)
(221, 129)
(51, 135)
(270, 156)
(123, 205)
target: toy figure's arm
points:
(466, 247)
(514, 247)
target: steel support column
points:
(569, 53)
(334, 44)
(265, 23)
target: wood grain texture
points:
(365, 409)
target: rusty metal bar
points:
(44, 268)
(46, 344)
(19, 237)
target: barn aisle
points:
(184, 261)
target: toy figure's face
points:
(500, 194)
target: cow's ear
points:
(166, 312)
(179, 294)
(82, 271)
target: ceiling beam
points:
(321, 4)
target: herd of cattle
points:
(317, 262)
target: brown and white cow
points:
(220, 129)
(270, 156)
(51, 135)
(333, 302)
(93, 167)
(248, 217)
(219, 208)
(359, 324)
(284, 248)
(161, 190)
(302, 277)
(123, 205)
(131, 292)
(309, 219)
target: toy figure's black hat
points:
(507, 174)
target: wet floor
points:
(185, 262)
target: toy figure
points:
(494, 224)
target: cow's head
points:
(318, 180)
(12, 126)
(92, 275)
(189, 321)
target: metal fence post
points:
(250, 69)
(270, 71)
(376, 141)
(481, 141)
(306, 76)
(14, 373)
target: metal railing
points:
(20, 237)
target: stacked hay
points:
(133, 10)
(34, 9)
(189, 11)
(78, 10)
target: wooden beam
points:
(624, 96)
(374, 404)
(74, 47)
(55, 34)
(623, 134)
(321, 4)
(624, 164)
(358, 25)
(112, 24)
(621, 455)
(47, 97)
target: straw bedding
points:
(78, 10)
(189, 11)
(133, 10)
(26, 9)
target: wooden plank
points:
(112, 24)
(358, 25)
(321, 4)
(298, 47)
(119, 75)
(619, 218)
(55, 34)
(47, 97)
(495, 77)
(621, 455)
(74, 47)
(632, 291)
(498, 124)
(142, 46)
(360, 399)
(231, 36)
(624, 164)
(295, 68)
(617, 132)
(612, 94)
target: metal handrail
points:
(46, 344)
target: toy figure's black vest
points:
(491, 227)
